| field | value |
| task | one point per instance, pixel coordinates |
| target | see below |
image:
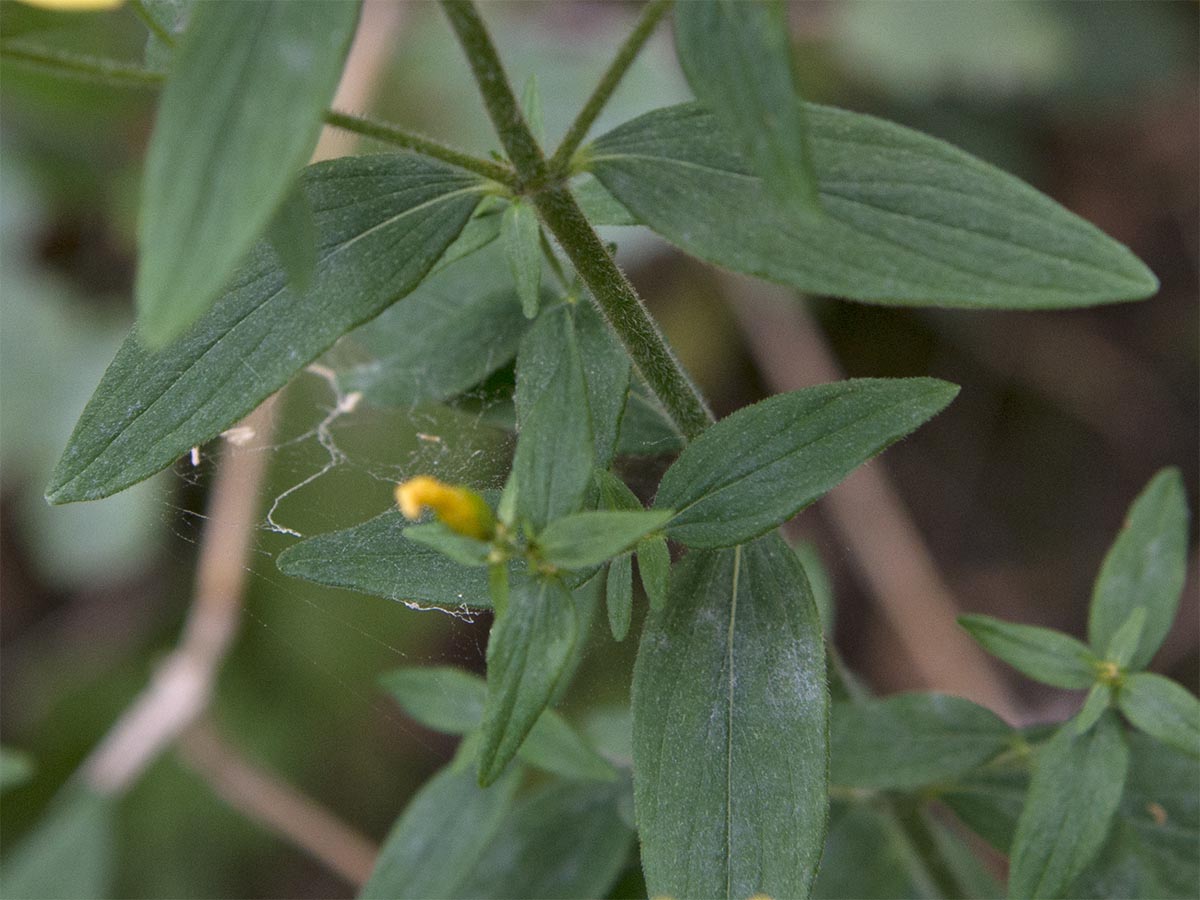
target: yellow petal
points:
(458, 508)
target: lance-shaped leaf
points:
(760, 466)
(528, 650)
(1162, 708)
(654, 567)
(1075, 790)
(376, 558)
(590, 538)
(908, 219)
(910, 740)
(607, 371)
(520, 232)
(618, 595)
(738, 60)
(458, 326)
(238, 118)
(443, 832)
(382, 222)
(729, 725)
(451, 700)
(564, 841)
(1044, 654)
(1144, 567)
(553, 461)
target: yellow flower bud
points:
(75, 5)
(458, 508)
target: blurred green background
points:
(1018, 489)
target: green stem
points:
(498, 96)
(155, 27)
(86, 68)
(391, 134)
(651, 15)
(612, 291)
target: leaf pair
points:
(1134, 603)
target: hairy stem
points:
(391, 134)
(651, 15)
(612, 291)
(84, 68)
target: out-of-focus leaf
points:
(654, 567)
(522, 248)
(382, 221)
(15, 768)
(1073, 795)
(618, 595)
(239, 116)
(1162, 708)
(292, 234)
(376, 558)
(1124, 643)
(528, 650)
(818, 581)
(908, 219)
(606, 368)
(731, 790)
(553, 461)
(738, 60)
(763, 464)
(1144, 567)
(172, 16)
(645, 429)
(564, 841)
(1098, 699)
(458, 326)
(69, 854)
(910, 740)
(443, 832)
(451, 700)
(1044, 654)
(466, 551)
(590, 538)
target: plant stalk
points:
(615, 296)
(652, 14)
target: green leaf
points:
(907, 741)
(456, 328)
(563, 841)
(1162, 708)
(646, 430)
(760, 466)
(618, 595)
(382, 222)
(481, 230)
(16, 768)
(528, 650)
(465, 551)
(818, 581)
(729, 711)
(738, 60)
(607, 369)
(1151, 851)
(68, 854)
(376, 558)
(908, 219)
(238, 118)
(654, 567)
(444, 831)
(1098, 699)
(552, 465)
(1076, 787)
(292, 234)
(600, 207)
(520, 231)
(451, 700)
(867, 855)
(590, 538)
(1044, 654)
(1144, 567)
(1124, 643)
(531, 107)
